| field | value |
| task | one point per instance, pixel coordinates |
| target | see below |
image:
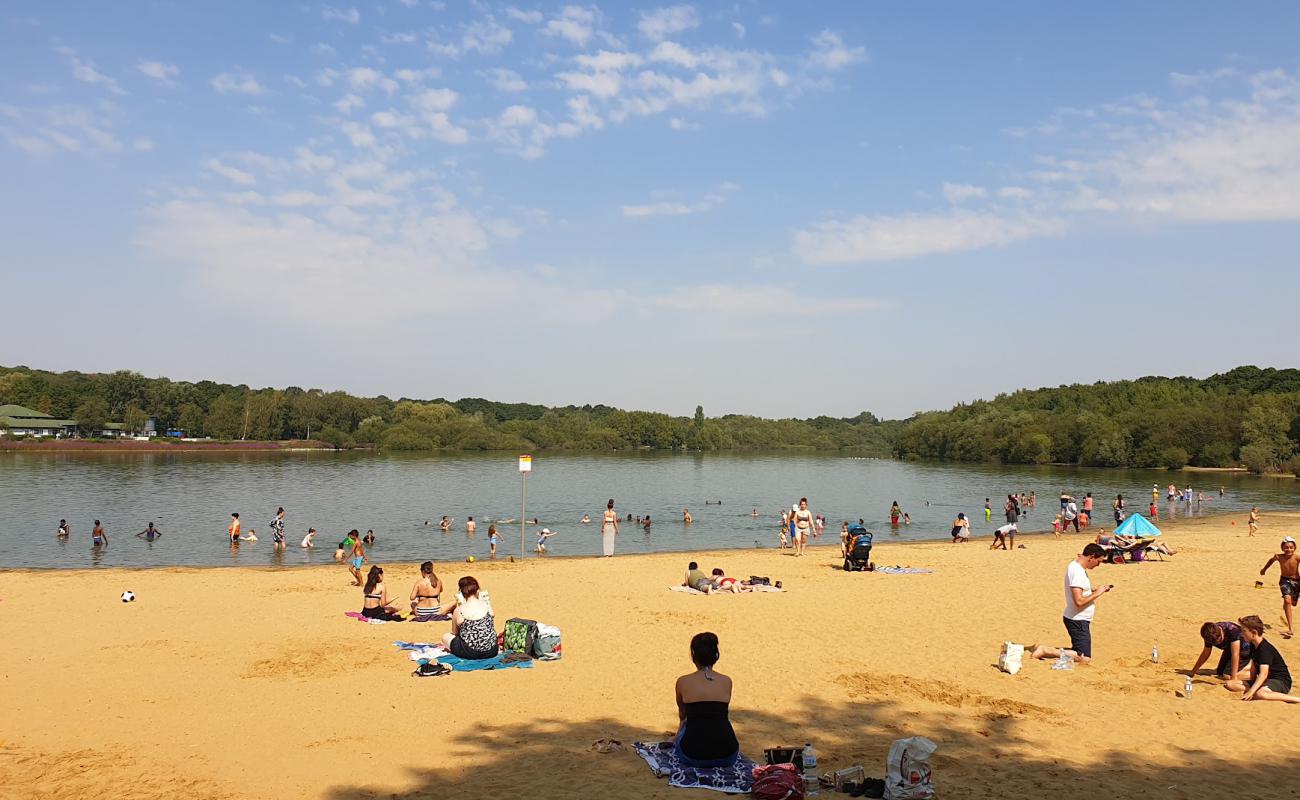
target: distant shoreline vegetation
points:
(1248, 416)
(226, 412)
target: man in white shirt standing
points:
(1080, 605)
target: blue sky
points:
(882, 206)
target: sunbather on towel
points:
(376, 604)
(705, 737)
(473, 628)
(696, 579)
(724, 584)
(426, 595)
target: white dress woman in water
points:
(609, 527)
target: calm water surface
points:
(190, 496)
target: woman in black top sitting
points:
(376, 604)
(705, 737)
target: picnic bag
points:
(777, 782)
(519, 635)
(907, 772)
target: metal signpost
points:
(525, 467)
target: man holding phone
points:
(1080, 605)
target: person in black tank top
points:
(705, 737)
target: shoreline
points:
(159, 446)
(506, 562)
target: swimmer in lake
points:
(150, 533)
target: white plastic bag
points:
(1009, 661)
(907, 773)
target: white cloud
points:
(236, 82)
(417, 75)
(829, 52)
(349, 103)
(679, 124)
(721, 298)
(295, 81)
(485, 36)
(1015, 193)
(674, 53)
(440, 127)
(366, 78)
(86, 73)
(163, 73)
(574, 23)
(959, 192)
(233, 174)
(895, 238)
(518, 116)
(676, 208)
(739, 29)
(61, 129)
(606, 60)
(142, 144)
(435, 99)
(664, 22)
(600, 84)
(349, 15)
(505, 80)
(527, 17)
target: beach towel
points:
(738, 778)
(904, 570)
(686, 589)
(756, 588)
(475, 664)
(359, 617)
(400, 645)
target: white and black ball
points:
(128, 596)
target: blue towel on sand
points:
(735, 778)
(470, 665)
(412, 645)
(904, 570)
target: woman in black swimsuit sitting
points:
(376, 605)
(705, 737)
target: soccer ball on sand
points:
(128, 596)
(470, 559)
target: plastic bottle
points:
(1063, 662)
(1187, 688)
(1155, 654)
(809, 770)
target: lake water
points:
(190, 496)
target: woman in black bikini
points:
(705, 737)
(376, 604)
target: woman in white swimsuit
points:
(803, 520)
(609, 527)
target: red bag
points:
(777, 782)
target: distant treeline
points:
(223, 411)
(1248, 415)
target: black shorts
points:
(1279, 685)
(1290, 588)
(459, 649)
(1080, 631)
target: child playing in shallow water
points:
(1056, 526)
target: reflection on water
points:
(190, 496)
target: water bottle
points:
(1155, 654)
(809, 770)
(1063, 662)
(1187, 688)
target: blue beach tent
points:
(1137, 527)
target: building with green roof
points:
(21, 421)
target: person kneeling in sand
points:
(1269, 677)
(1002, 535)
(705, 738)
(696, 579)
(1227, 636)
(960, 529)
(1080, 606)
(473, 628)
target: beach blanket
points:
(359, 617)
(738, 778)
(400, 645)
(689, 590)
(904, 570)
(474, 665)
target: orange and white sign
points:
(525, 463)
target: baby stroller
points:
(859, 556)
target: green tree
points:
(1264, 433)
(189, 418)
(91, 416)
(135, 419)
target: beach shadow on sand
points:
(982, 752)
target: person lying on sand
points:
(724, 584)
(696, 579)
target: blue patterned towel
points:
(736, 778)
(473, 664)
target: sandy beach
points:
(251, 683)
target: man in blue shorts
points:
(1080, 605)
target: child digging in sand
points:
(1289, 563)
(1269, 677)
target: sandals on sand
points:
(606, 746)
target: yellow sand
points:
(250, 683)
